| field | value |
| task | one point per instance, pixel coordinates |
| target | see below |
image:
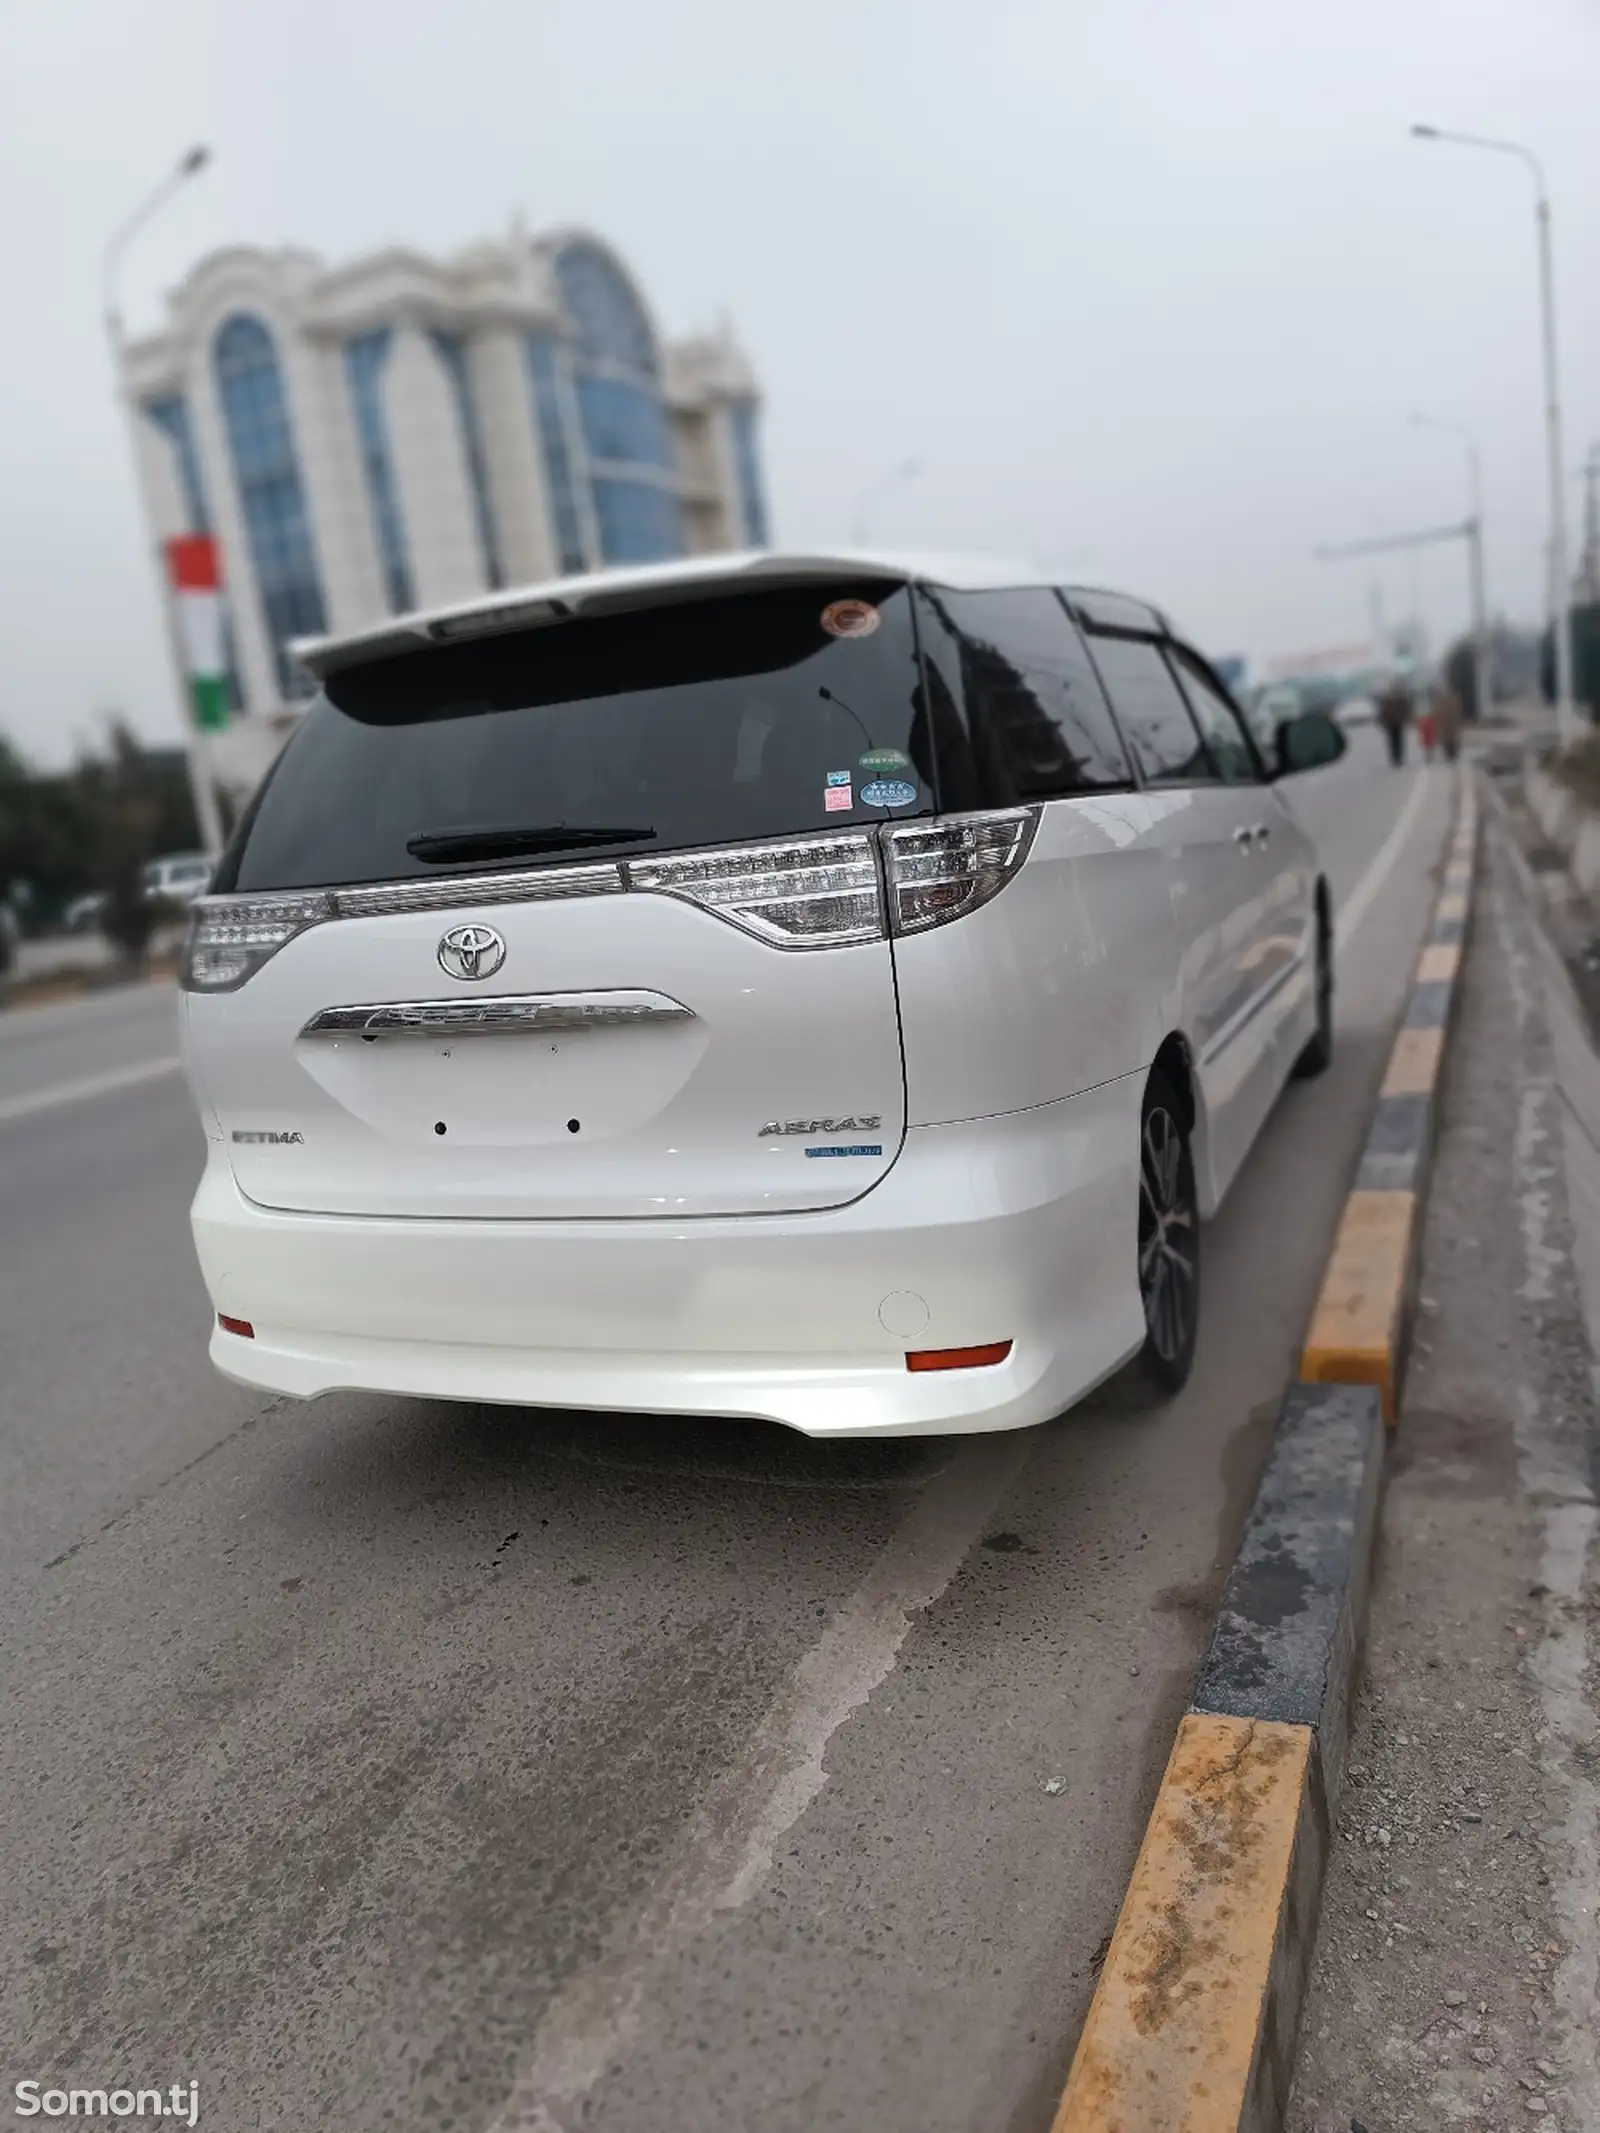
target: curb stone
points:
(1193, 2024)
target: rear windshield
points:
(745, 716)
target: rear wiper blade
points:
(441, 846)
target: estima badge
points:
(865, 1122)
(471, 952)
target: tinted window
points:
(1112, 611)
(1035, 710)
(707, 722)
(1219, 722)
(1151, 711)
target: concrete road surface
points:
(385, 1765)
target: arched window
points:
(614, 369)
(608, 319)
(271, 498)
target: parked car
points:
(824, 990)
(178, 878)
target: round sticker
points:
(884, 763)
(850, 618)
(888, 792)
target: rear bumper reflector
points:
(958, 1358)
(241, 1326)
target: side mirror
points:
(1309, 742)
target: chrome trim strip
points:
(532, 885)
(1237, 1023)
(501, 1014)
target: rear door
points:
(578, 920)
(1284, 932)
(1207, 822)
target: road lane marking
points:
(727, 1849)
(72, 1092)
(1360, 900)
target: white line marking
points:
(72, 1092)
(1360, 900)
(726, 1851)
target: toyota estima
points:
(814, 988)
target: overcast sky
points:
(1149, 287)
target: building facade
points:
(401, 431)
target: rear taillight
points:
(230, 937)
(943, 869)
(807, 893)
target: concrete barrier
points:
(1193, 2024)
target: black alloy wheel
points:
(1169, 1239)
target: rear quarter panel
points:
(1064, 982)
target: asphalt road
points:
(385, 1765)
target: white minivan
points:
(810, 987)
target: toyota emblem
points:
(471, 952)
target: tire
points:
(1317, 1056)
(1169, 1241)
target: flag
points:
(196, 582)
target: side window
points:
(1035, 710)
(1151, 711)
(1219, 721)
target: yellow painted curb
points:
(1355, 1328)
(1414, 1063)
(1175, 2041)
(1440, 961)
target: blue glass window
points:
(453, 355)
(364, 361)
(271, 497)
(609, 320)
(545, 363)
(747, 468)
(639, 520)
(623, 422)
(170, 415)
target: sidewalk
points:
(1455, 1983)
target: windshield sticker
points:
(885, 763)
(888, 792)
(850, 618)
(839, 777)
(836, 799)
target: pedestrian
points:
(1445, 710)
(1394, 715)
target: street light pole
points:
(202, 785)
(1474, 533)
(1560, 584)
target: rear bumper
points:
(1019, 1228)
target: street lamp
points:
(189, 166)
(1480, 612)
(202, 787)
(907, 470)
(1560, 590)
